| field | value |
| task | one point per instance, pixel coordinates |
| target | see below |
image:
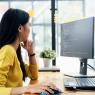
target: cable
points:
(91, 67)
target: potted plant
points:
(48, 55)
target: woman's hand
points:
(28, 45)
(34, 89)
(38, 88)
(51, 84)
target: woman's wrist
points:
(31, 55)
(30, 52)
(18, 90)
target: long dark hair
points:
(10, 22)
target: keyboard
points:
(80, 83)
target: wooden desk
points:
(57, 78)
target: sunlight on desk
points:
(58, 79)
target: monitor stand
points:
(83, 71)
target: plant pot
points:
(46, 62)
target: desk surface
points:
(57, 78)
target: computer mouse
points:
(56, 92)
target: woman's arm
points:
(32, 89)
(32, 71)
(32, 68)
(18, 90)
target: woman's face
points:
(24, 32)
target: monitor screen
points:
(77, 38)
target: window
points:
(24, 5)
(41, 24)
(42, 12)
(3, 8)
(70, 10)
(90, 8)
(42, 36)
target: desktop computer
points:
(77, 40)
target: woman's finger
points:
(22, 45)
(52, 85)
(45, 92)
(46, 88)
(49, 90)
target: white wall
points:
(90, 7)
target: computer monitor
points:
(77, 40)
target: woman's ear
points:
(20, 28)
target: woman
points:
(14, 29)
